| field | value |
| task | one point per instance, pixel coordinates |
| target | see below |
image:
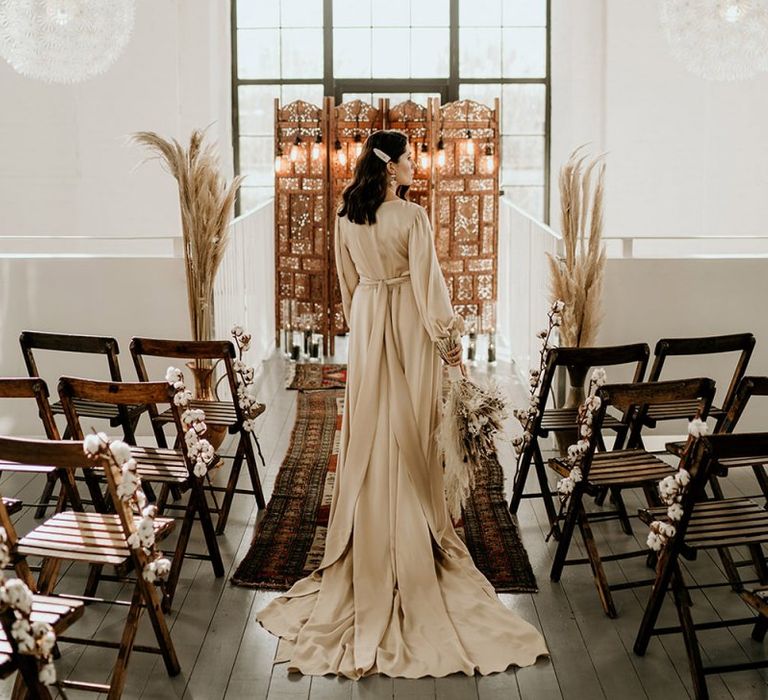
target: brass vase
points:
(202, 372)
(577, 375)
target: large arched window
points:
(454, 49)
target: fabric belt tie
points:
(389, 282)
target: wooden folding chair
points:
(168, 467)
(743, 343)
(704, 525)
(228, 414)
(620, 469)
(57, 612)
(69, 343)
(91, 538)
(35, 388)
(564, 419)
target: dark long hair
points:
(362, 197)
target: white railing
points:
(244, 292)
(523, 283)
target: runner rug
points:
(307, 376)
(290, 537)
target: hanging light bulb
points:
(424, 157)
(489, 158)
(316, 147)
(440, 152)
(341, 156)
(358, 147)
(279, 160)
(469, 145)
(296, 149)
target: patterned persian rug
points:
(307, 376)
(290, 538)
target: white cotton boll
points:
(47, 674)
(179, 386)
(584, 430)
(248, 374)
(46, 640)
(654, 542)
(201, 469)
(248, 425)
(5, 556)
(583, 446)
(565, 486)
(666, 530)
(173, 375)
(141, 499)
(150, 573)
(200, 427)
(120, 451)
(683, 477)
(198, 414)
(162, 568)
(237, 330)
(22, 633)
(16, 594)
(187, 416)
(668, 488)
(574, 452)
(675, 512)
(134, 542)
(697, 428)
(238, 365)
(206, 450)
(598, 376)
(576, 474)
(191, 437)
(558, 306)
(91, 444)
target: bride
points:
(396, 592)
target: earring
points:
(393, 181)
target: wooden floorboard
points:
(224, 653)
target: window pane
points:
(364, 96)
(524, 13)
(308, 93)
(302, 53)
(258, 53)
(391, 13)
(256, 104)
(257, 159)
(484, 93)
(352, 53)
(258, 13)
(530, 199)
(523, 160)
(430, 13)
(480, 53)
(525, 53)
(422, 98)
(395, 98)
(480, 13)
(429, 53)
(351, 13)
(301, 13)
(391, 53)
(523, 109)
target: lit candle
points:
(316, 147)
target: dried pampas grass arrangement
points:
(206, 202)
(577, 278)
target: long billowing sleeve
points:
(427, 282)
(345, 268)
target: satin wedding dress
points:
(396, 592)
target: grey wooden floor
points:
(225, 654)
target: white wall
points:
(66, 167)
(686, 156)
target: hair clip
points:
(382, 155)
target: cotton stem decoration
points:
(117, 455)
(206, 202)
(575, 455)
(672, 489)
(33, 638)
(528, 415)
(193, 422)
(245, 375)
(472, 418)
(577, 277)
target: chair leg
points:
(564, 543)
(229, 493)
(162, 499)
(683, 605)
(46, 495)
(49, 572)
(618, 501)
(549, 505)
(94, 577)
(178, 554)
(151, 600)
(596, 564)
(521, 477)
(760, 628)
(667, 564)
(253, 471)
(120, 669)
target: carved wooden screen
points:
(415, 121)
(350, 125)
(466, 206)
(302, 296)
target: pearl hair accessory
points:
(382, 155)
